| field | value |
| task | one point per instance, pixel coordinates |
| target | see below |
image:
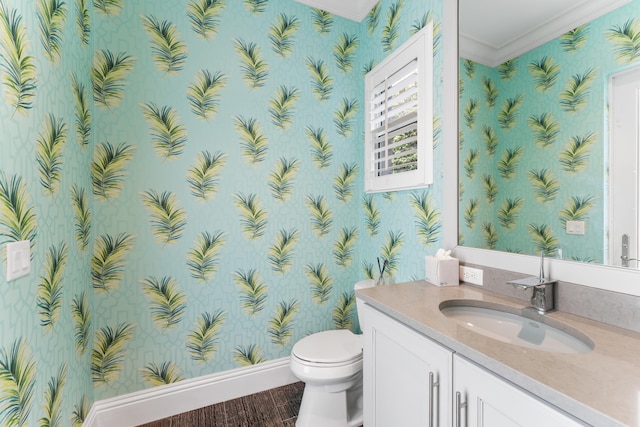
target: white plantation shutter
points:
(399, 123)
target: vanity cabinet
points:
(411, 380)
(483, 400)
(407, 377)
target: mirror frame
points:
(616, 279)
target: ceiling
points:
(493, 31)
(355, 10)
(509, 28)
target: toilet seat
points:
(336, 347)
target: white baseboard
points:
(160, 402)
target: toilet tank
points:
(362, 284)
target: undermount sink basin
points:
(523, 327)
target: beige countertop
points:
(601, 388)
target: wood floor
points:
(277, 407)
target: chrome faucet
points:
(542, 295)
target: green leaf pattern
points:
(249, 143)
(546, 134)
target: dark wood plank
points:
(210, 416)
(258, 409)
(287, 400)
(165, 422)
(277, 407)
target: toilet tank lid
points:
(335, 346)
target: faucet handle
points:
(530, 281)
(542, 296)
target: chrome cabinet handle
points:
(434, 385)
(459, 406)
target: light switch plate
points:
(575, 227)
(18, 259)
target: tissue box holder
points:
(442, 272)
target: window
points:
(399, 118)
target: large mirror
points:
(541, 136)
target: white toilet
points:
(330, 365)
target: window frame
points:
(418, 48)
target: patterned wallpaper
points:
(190, 177)
(533, 141)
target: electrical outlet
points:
(471, 275)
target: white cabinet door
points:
(492, 402)
(406, 375)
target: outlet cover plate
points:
(471, 275)
(18, 259)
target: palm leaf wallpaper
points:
(166, 302)
(108, 169)
(551, 138)
(19, 77)
(204, 208)
(169, 135)
(108, 75)
(202, 176)
(17, 381)
(322, 21)
(202, 341)
(82, 217)
(168, 219)
(51, 286)
(109, 349)
(18, 219)
(53, 399)
(255, 143)
(109, 259)
(204, 93)
(320, 147)
(255, 69)
(281, 34)
(343, 314)
(108, 7)
(427, 218)
(203, 258)
(344, 246)
(204, 16)
(282, 178)
(282, 322)
(282, 250)
(165, 373)
(52, 15)
(82, 111)
(321, 282)
(320, 79)
(250, 355)
(81, 314)
(83, 21)
(80, 412)
(169, 51)
(281, 106)
(49, 152)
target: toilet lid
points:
(340, 345)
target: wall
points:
(185, 281)
(310, 288)
(575, 171)
(44, 348)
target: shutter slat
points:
(393, 113)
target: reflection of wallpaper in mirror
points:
(532, 141)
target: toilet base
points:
(324, 407)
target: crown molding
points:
(491, 56)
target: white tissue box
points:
(442, 271)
